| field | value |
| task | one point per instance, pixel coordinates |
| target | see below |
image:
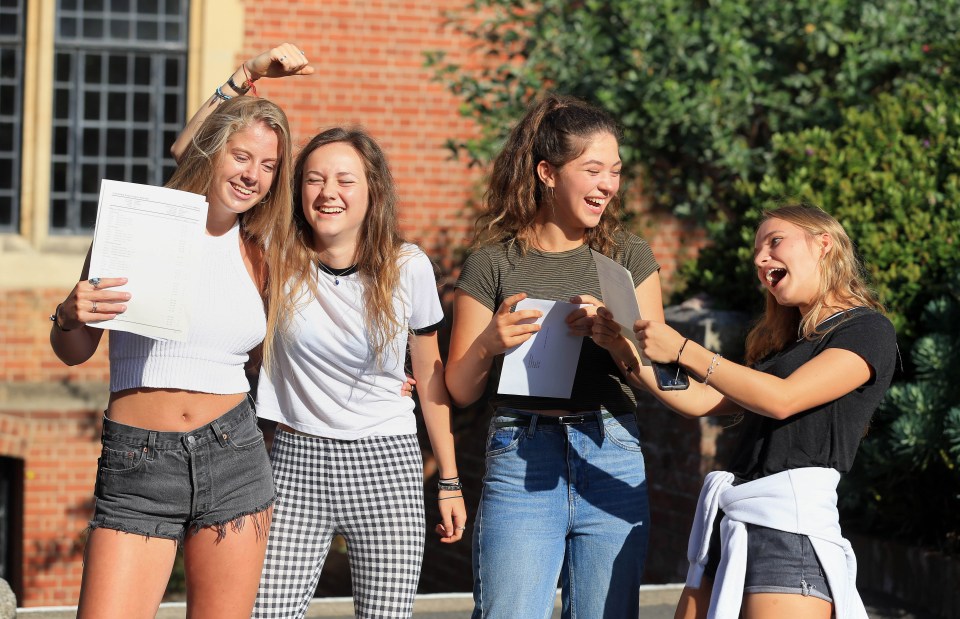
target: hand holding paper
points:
(619, 296)
(546, 364)
(150, 235)
(508, 328)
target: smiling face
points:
(245, 171)
(787, 258)
(335, 195)
(583, 187)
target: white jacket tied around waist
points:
(800, 501)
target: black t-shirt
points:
(827, 435)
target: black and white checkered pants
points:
(370, 491)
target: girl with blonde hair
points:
(766, 538)
(183, 462)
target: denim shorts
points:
(777, 562)
(162, 484)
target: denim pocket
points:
(502, 440)
(117, 457)
(624, 433)
(246, 435)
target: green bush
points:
(911, 456)
(700, 87)
(891, 174)
(726, 104)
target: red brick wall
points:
(369, 56)
(59, 450)
(369, 61)
(25, 354)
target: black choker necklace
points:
(336, 274)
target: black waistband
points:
(521, 420)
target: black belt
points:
(522, 421)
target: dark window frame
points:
(12, 46)
(118, 103)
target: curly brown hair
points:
(555, 129)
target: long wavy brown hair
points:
(268, 220)
(379, 247)
(555, 129)
(843, 284)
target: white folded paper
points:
(546, 364)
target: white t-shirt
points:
(324, 380)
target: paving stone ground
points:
(656, 602)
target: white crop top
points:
(226, 321)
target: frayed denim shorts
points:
(777, 562)
(162, 484)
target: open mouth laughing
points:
(774, 276)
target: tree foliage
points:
(891, 174)
(701, 88)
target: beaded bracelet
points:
(55, 319)
(218, 93)
(714, 364)
(449, 485)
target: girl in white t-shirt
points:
(348, 297)
(346, 456)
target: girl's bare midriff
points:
(169, 410)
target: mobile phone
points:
(670, 376)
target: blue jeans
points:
(561, 502)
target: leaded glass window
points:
(119, 100)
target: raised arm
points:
(281, 61)
(435, 403)
(72, 340)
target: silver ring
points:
(94, 281)
(303, 53)
(282, 58)
(93, 310)
(461, 528)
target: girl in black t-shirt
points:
(818, 363)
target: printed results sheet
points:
(151, 236)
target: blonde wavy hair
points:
(555, 129)
(842, 285)
(379, 247)
(270, 219)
